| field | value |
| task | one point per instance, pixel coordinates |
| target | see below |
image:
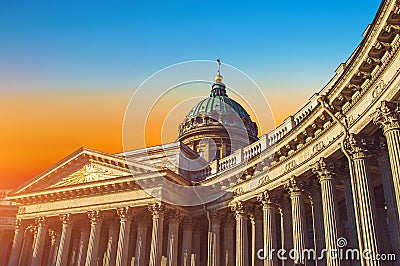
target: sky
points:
(69, 68)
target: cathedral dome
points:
(220, 119)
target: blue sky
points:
(84, 45)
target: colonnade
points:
(301, 214)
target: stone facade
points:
(328, 174)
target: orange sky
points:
(39, 129)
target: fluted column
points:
(317, 218)
(296, 190)
(269, 208)
(83, 244)
(125, 216)
(387, 117)
(141, 240)
(324, 170)
(187, 232)
(228, 252)
(390, 198)
(112, 243)
(364, 204)
(242, 258)
(17, 242)
(96, 219)
(351, 219)
(157, 212)
(214, 239)
(53, 247)
(63, 248)
(27, 246)
(256, 221)
(172, 244)
(285, 212)
(38, 249)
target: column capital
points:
(356, 146)
(267, 199)
(19, 224)
(41, 221)
(156, 209)
(215, 216)
(95, 216)
(174, 216)
(229, 220)
(295, 186)
(387, 116)
(53, 236)
(324, 169)
(239, 209)
(65, 218)
(125, 213)
(187, 222)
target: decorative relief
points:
(88, 173)
(156, 209)
(356, 146)
(323, 169)
(125, 213)
(387, 116)
(95, 216)
(290, 165)
(295, 186)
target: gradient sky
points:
(69, 68)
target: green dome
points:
(218, 108)
(219, 104)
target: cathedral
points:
(323, 188)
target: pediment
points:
(84, 166)
(90, 172)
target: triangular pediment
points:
(90, 172)
(82, 167)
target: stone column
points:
(53, 247)
(351, 218)
(228, 254)
(38, 249)
(187, 240)
(195, 257)
(141, 240)
(256, 221)
(17, 242)
(214, 236)
(364, 204)
(125, 216)
(157, 210)
(317, 218)
(242, 258)
(387, 117)
(324, 170)
(112, 242)
(296, 191)
(26, 250)
(83, 244)
(173, 236)
(96, 219)
(285, 212)
(63, 248)
(390, 199)
(269, 208)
